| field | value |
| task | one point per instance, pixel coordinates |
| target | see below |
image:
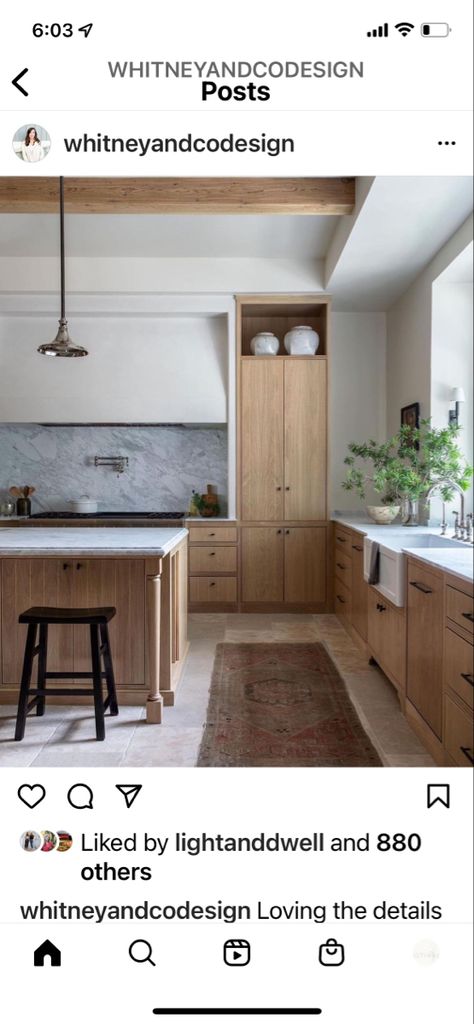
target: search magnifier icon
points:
(140, 952)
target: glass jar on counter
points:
(7, 507)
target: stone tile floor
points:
(65, 736)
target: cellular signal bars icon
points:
(381, 31)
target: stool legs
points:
(42, 662)
(109, 670)
(97, 683)
(25, 682)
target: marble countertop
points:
(456, 560)
(44, 541)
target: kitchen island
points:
(142, 573)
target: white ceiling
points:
(402, 224)
(131, 235)
(372, 257)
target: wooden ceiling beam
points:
(308, 196)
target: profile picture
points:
(31, 143)
(49, 841)
(64, 842)
(30, 841)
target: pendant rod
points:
(61, 237)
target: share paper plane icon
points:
(130, 793)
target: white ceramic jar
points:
(301, 341)
(84, 504)
(264, 344)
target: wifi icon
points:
(404, 27)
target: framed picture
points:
(410, 417)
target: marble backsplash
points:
(164, 465)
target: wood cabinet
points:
(262, 440)
(305, 387)
(386, 636)
(283, 439)
(213, 566)
(350, 588)
(148, 633)
(262, 564)
(284, 565)
(425, 643)
(458, 674)
(359, 588)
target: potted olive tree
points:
(403, 469)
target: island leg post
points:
(154, 702)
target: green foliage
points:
(408, 464)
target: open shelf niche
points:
(278, 314)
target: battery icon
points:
(435, 29)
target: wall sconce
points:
(457, 396)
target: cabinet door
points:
(386, 634)
(262, 564)
(359, 589)
(119, 582)
(305, 565)
(305, 439)
(425, 644)
(27, 582)
(262, 439)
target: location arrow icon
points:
(130, 793)
(15, 81)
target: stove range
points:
(108, 515)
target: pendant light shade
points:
(62, 344)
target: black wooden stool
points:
(96, 619)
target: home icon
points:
(47, 949)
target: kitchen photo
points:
(236, 447)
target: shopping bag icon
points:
(331, 953)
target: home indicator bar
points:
(217, 1010)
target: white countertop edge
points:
(129, 541)
(445, 559)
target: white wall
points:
(133, 274)
(356, 392)
(452, 361)
(409, 333)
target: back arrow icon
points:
(16, 80)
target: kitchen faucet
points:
(460, 526)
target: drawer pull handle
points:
(468, 677)
(357, 547)
(66, 565)
(339, 566)
(211, 554)
(78, 565)
(341, 539)
(341, 599)
(278, 488)
(287, 488)
(419, 586)
(467, 753)
(211, 535)
(212, 584)
(381, 607)
(468, 615)
(279, 531)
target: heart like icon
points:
(31, 795)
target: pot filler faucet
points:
(463, 526)
(117, 462)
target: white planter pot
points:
(301, 341)
(264, 344)
(383, 514)
(83, 504)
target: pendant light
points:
(62, 344)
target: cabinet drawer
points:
(342, 540)
(458, 667)
(460, 608)
(213, 590)
(458, 733)
(210, 558)
(213, 535)
(343, 567)
(342, 602)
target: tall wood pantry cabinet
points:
(283, 458)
